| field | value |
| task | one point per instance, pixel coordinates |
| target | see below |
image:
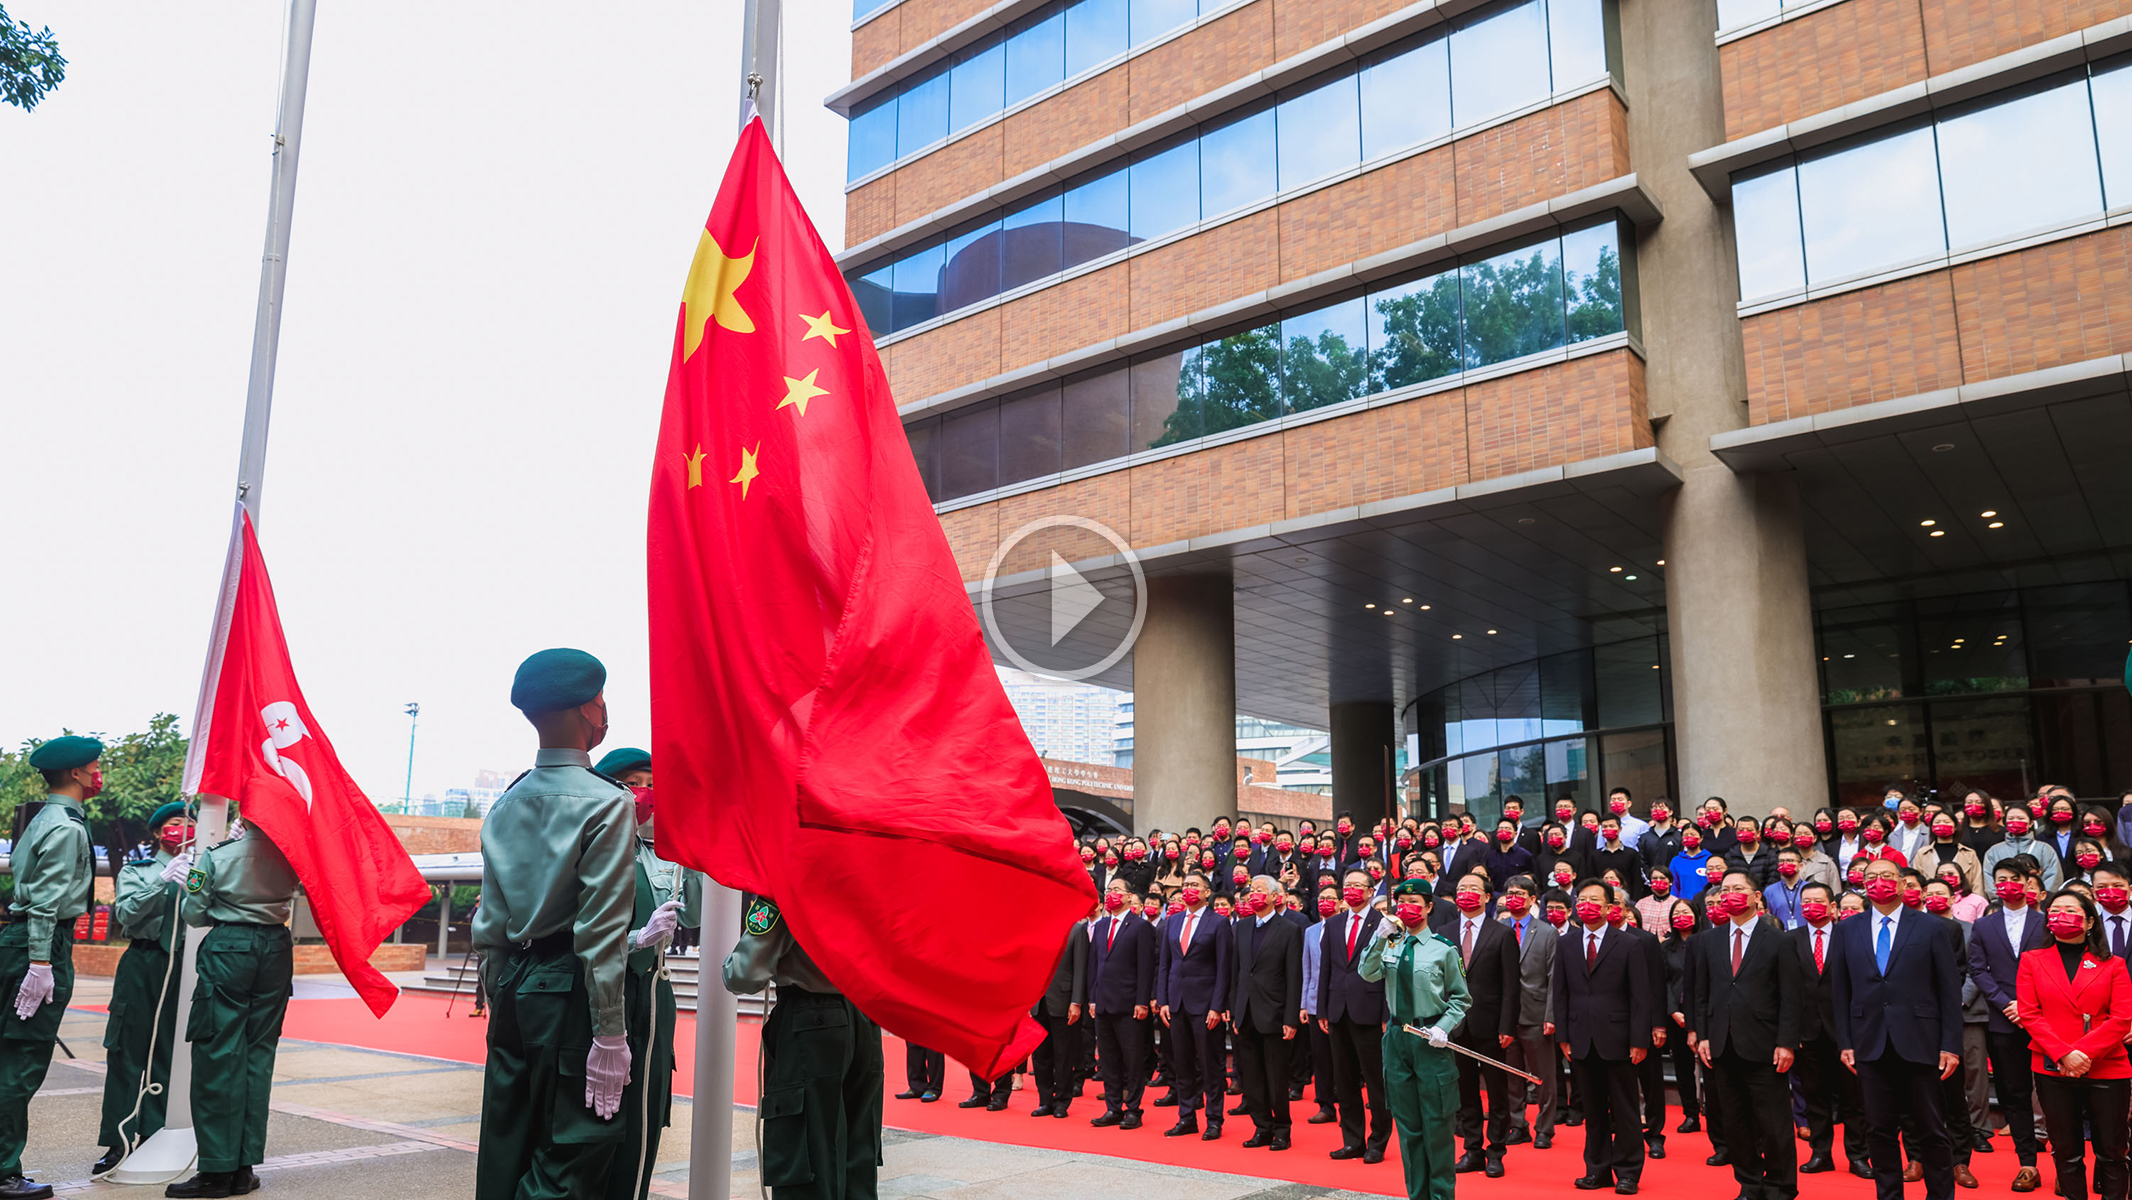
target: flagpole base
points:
(165, 1158)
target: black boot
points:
(207, 1185)
(243, 1183)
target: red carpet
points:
(417, 1025)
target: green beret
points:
(175, 808)
(628, 758)
(66, 753)
(553, 680)
(1411, 887)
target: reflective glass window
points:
(1731, 14)
(2017, 164)
(1576, 35)
(1095, 33)
(1029, 435)
(1591, 281)
(1406, 97)
(1870, 207)
(1499, 63)
(1030, 242)
(918, 286)
(1164, 191)
(1765, 218)
(1097, 217)
(1517, 702)
(1513, 304)
(969, 451)
(1414, 332)
(1153, 18)
(1984, 743)
(1036, 53)
(922, 114)
(1320, 132)
(873, 139)
(876, 294)
(2076, 634)
(925, 450)
(2112, 88)
(1568, 772)
(1625, 676)
(1096, 425)
(977, 87)
(1876, 746)
(1165, 400)
(860, 8)
(1636, 761)
(1236, 164)
(1240, 379)
(1522, 773)
(971, 269)
(1567, 697)
(1868, 653)
(1325, 356)
(1972, 643)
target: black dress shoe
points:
(929, 1098)
(16, 1187)
(1544, 1141)
(1186, 1125)
(1346, 1152)
(1691, 1125)
(1261, 1138)
(1059, 1110)
(1169, 1101)
(1860, 1169)
(1294, 1094)
(1041, 1110)
(1239, 1110)
(111, 1159)
(908, 1095)
(1467, 1163)
(1323, 1116)
(1280, 1142)
(1518, 1137)
(1131, 1121)
(1573, 1120)
(1592, 1183)
(1372, 1154)
(1816, 1165)
(1655, 1148)
(207, 1185)
(1494, 1169)
(1624, 1188)
(974, 1102)
(1213, 1132)
(1107, 1120)
(1077, 1090)
(1983, 1142)
(999, 1103)
(1720, 1159)
(243, 1182)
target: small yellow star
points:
(708, 295)
(800, 391)
(747, 473)
(821, 327)
(695, 466)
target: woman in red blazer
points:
(2075, 1002)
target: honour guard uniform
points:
(821, 1098)
(144, 993)
(53, 875)
(667, 897)
(1424, 990)
(241, 891)
(555, 907)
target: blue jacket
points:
(1913, 1012)
(1122, 975)
(1195, 981)
(1685, 865)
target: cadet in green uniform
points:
(821, 1097)
(667, 896)
(241, 889)
(144, 994)
(1425, 988)
(53, 875)
(556, 895)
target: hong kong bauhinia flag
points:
(828, 727)
(255, 742)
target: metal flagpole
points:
(172, 1152)
(710, 1154)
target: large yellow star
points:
(712, 280)
(695, 466)
(747, 473)
(821, 327)
(800, 391)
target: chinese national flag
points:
(827, 723)
(255, 742)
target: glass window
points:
(1871, 206)
(1478, 772)
(1875, 747)
(971, 270)
(1576, 33)
(1522, 773)
(1097, 423)
(1591, 281)
(2015, 165)
(1164, 191)
(1567, 698)
(1972, 643)
(977, 87)
(1568, 775)
(1414, 332)
(1731, 14)
(1867, 654)
(873, 139)
(2086, 738)
(1236, 164)
(1095, 33)
(1240, 379)
(860, 8)
(1636, 761)
(922, 114)
(1517, 702)
(1625, 675)
(1499, 63)
(969, 451)
(1165, 400)
(876, 294)
(2076, 634)
(1765, 223)
(1030, 243)
(1513, 304)
(1029, 435)
(1406, 97)
(1036, 53)
(1983, 744)
(918, 286)
(1321, 132)
(925, 449)
(1153, 18)
(1097, 217)
(2113, 130)
(1325, 356)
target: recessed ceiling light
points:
(1939, 533)
(1628, 577)
(1304, 559)
(1491, 633)
(1406, 599)
(1424, 608)
(1891, 720)
(1654, 666)
(1661, 562)
(1371, 604)
(1616, 570)
(1388, 611)
(1942, 448)
(1824, 658)
(1927, 524)
(1524, 520)
(1996, 525)
(1850, 656)
(1457, 636)
(1989, 512)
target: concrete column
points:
(1363, 741)
(1184, 704)
(1746, 693)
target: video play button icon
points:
(1072, 598)
(1076, 615)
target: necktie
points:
(1520, 927)
(2117, 936)
(1354, 927)
(1466, 945)
(1880, 944)
(1591, 952)
(1184, 944)
(1113, 939)
(1739, 946)
(1817, 952)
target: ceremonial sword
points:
(1475, 1055)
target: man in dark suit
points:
(1351, 1010)
(1603, 1017)
(1744, 1011)
(1831, 1091)
(1650, 1073)
(1191, 991)
(1122, 955)
(1897, 995)
(1265, 1009)
(1059, 1011)
(1490, 956)
(1996, 942)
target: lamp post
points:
(414, 711)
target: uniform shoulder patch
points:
(1446, 941)
(195, 880)
(761, 916)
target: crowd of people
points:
(1601, 947)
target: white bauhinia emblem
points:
(285, 728)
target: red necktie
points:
(1591, 951)
(1354, 926)
(1817, 950)
(1739, 943)
(1466, 951)
(1184, 945)
(1113, 941)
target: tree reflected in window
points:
(1414, 333)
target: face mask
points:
(1133, 854)
(2087, 860)
(1857, 878)
(1206, 860)
(1692, 842)
(2062, 818)
(2017, 825)
(1411, 915)
(1702, 820)
(1356, 897)
(1151, 911)
(1554, 841)
(1913, 894)
(1883, 890)
(1891, 802)
(1973, 810)
(1284, 845)
(1684, 921)
(1469, 902)
(2093, 828)
(1515, 904)
(2113, 898)
(1557, 917)
(1191, 893)
(1590, 912)
(1660, 887)
(1506, 836)
(1908, 818)
(1611, 835)
(1170, 854)
(1564, 813)
(642, 797)
(1938, 904)
(2068, 926)
(1847, 915)
(1815, 910)
(1376, 870)
(1346, 827)
(1615, 914)
(1563, 878)
(1088, 856)
(1715, 872)
(1617, 807)
(1110, 860)
(1113, 902)
(1803, 838)
(174, 836)
(1735, 903)
(1328, 906)
(1787, 870)
(1242, 877)
(1943, 829)
(1221, 832)
(1253, 904)
(1404, 843)
(1848, 824)
(1748, 837)
(1873, 835)
(1822, 826)
(1259, 838)
(1661, 816)
(1431, 841)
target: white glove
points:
(659, 925)
(178, 868)
(1437, 1037)
(606, 1073)
(35, 991)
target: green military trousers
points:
(26, 1046)
(538, 1139)
(821, 1098)
(246, 973)
(1421, 1086)
(648, 1102)
(144, 1011)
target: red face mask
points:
(1974, 810)
(1411, 915)
(1660, 816)
(1857, 878)
(1716, 871)
(1405, 843)
(1787, 870)
(1346, 827)
(1506, 836)
(1803, 838)
(1260, 838)
(1206, 860)
(1151, 911)
(1615, 913)
(1327, 906)
(1748, 837)
(2094, 829)
(2013, 891)
(1191, 893)
(1516, 904)
(1882, 890)
(174, 835)
(1110, 860)
(1815, 910)
(1874, 835)
(1735, 903)
(2067, 926)
(1254, 904)
(1943, 829)
(1469, 902)
(1590, 911)
(1692, 842)
(1702, 820)
(1848, 824)
(1822, 826)
(1684, 921)
(2113, 898)
(1909, 817)
(1284, 845)
(1170, 854)
(1113, 902)
(1132, 853)
(1660, 887)
(1376, 870)
(1558, 917)
(1431, 841)
(2017, 825)
(1087, 855)
(1554, 841)
(1241, 877)
(1564, 813)
(2087, 859)
(1617, 807)
(1356, 897)
(1563, 878)
(1913, 895)
(1938, 904)
(1846, 915)
(643, 801)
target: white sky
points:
(496, 207)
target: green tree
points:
(1513, 306)
(1420, 334)
(30, 64)
(1240, 379)
(1321, 371)
(1595, 300)
(142, 771)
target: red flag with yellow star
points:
(827, 727)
